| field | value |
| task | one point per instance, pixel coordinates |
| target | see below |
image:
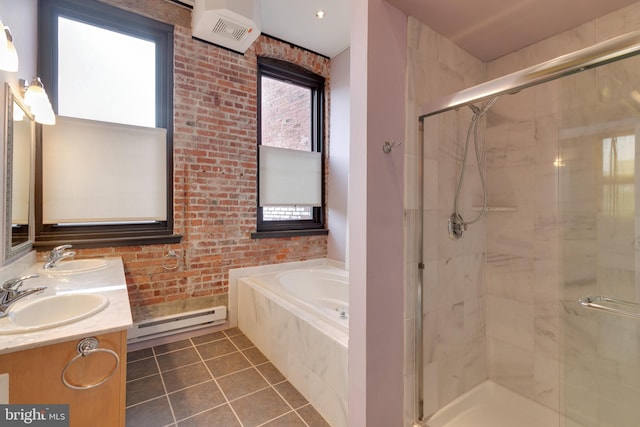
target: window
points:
(290, 155)
(618, 176)
(109, 74)
(122, 73)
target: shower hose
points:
(457, 225)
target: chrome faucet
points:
(56, 254)
(11, 293)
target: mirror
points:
(19, 145)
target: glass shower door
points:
(599, 124)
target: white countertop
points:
(116, 316)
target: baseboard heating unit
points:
(176, 323)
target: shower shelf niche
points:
(495, 208)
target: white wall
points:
(376, 214)
(21, 18)
(338, 158)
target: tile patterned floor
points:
(215, 380)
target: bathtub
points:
(324, 291)
(299, 319)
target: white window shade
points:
(290, 177)
(103, 172)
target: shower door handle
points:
(615, 306)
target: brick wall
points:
(215, 170)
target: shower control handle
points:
(456, 226)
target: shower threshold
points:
(491, 405)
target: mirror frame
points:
(11, 251)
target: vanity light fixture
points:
(8, 53)
(37, 100)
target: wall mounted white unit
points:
(233, 24)
(181, 322)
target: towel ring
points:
(86, 347)
(166, 264)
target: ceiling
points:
(486, 29)
(489, 29)
(295, 21)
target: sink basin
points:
(52, 311)
(76, 266)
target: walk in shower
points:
(540, 296)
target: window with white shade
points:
(290, 149)
(104, 171)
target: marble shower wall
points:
(546, 156)
(599, 137)
(454, 333)
(523, 262)
(524, 259)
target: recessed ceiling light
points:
(320, 14)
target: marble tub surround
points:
(310, 353)
(109, 282)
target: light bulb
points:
(8, 53)
(13, 53)
(36, 98)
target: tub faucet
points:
(56, 254)
(11, 293)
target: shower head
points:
(479, 112)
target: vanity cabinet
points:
(36, 377)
